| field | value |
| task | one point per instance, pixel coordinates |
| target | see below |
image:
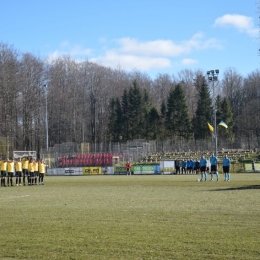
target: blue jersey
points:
(183, 164)
(203, 162)
(226, 162)
(213, 160)
(190, 164)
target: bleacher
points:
(235, 155)
(81, 160)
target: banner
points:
(120, 170)
(167, 167)
(91, 170)
(144, 169)
(108, 170)
(64, 171)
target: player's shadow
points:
(249, 187)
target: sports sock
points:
(217, 175)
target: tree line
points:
(86, 102)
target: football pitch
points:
(132, 217)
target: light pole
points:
(212, 77)
(46, 117)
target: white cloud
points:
(131, 62)
(166, 47)
(188, 62)
(76, 51)
(243, 23)
(132, 54)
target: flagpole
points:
(212, 77)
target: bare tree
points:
(31, 75)
(9, 67)
(232, 85)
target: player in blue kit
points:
(226, 165)
(203, 165)
(213, 166)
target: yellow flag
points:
(222, 123)
(211, 128)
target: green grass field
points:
(132, 217)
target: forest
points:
(81, 101)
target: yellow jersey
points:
(31, 167)
(3, 165)
(42, 168)
(25, 163)
(10, 166)
(36, 166)
(18, 166)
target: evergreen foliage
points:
(203, 112)
(178, 118)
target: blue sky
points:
(155, 36)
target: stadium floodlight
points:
(212, 77)
(46, 116)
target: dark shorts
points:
(25, 172)
(10, 174)
(3, 173)
(226, 169)
(31, 174)
(18, 174)
(203, 168)
(213, 168)
(36, 174)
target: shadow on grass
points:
(249, 187)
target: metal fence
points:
(134, 150)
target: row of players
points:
(203, 166)
(24, 169)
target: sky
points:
(154, 37)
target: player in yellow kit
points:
(25, 163)
(42, 171)
(3, 172)
(18, 171)
(31, 171)
(10, 170)
(36, 171)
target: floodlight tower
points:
(212, 77)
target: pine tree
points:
(203, 112)
(178, 119)
(115, 126)
(183, 126)
(170, 122)
(153, 124)
(125, 116)
(146, 107)
(162, 121)
(227, 116)
(112, 120)
(135, 111)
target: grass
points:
(132, 217)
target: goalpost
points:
(21, 154)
